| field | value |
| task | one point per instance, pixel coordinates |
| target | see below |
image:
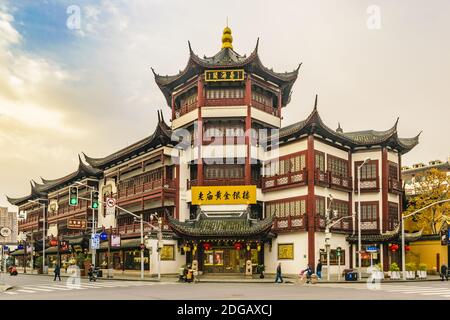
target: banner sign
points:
(76, 224)
(224, 75)
(115, 241)
(224, 195)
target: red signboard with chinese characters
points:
(76, 224)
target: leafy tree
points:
(431, 186)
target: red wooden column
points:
(311, 203)
(384, 188)
(248, 127)
(173, 107)
(279, 105)
(350, 198)
(200, 103)
(177, 192)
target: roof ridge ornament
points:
(339, 129)
(315, 102)
(227, 38)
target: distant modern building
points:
(240, 190)
(9, 220)
(409, 173)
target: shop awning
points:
(124, 244)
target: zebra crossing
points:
(62, 286)
(401, 289)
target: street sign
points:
(372, 249)
(76, 224)
(95, 241)
(110, 206)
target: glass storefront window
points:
(117, 260)
(132, 259)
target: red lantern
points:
(238, 246)
(393, 247)
(53, 242)
(207, 246)
(407, 248)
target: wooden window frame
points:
(331, 158)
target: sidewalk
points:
(269, 278)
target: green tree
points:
(431, 186)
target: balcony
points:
(284, 180)
(135, 228)
(345, 225)
(289, 223)
(222, 182)
(265, 108)
(126, 192)
(321, 178)
(394, 186)
(225, 102)
(368, 185)
(186, 109)
(339, 182)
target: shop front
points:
(223, 245)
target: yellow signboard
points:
(224, 75)
(224, 195)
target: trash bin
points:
(351, 276)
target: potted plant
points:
(395, 271)
(410, 271)
(422, 272)
(377, 272)
(260, 269)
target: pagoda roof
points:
(226, 58)
(367, 138)
(160, 137)
(233, 226)
(41, 190)
(389, 236)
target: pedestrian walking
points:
(309, 273)
(57, 272)
(319, 269)
(444, 272)
(279, 274)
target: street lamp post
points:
(142, 247)
(403, 231)
(43, 232)
(359, 216)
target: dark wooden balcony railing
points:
(263, 107)
(222, 182)
(394, 186)
(186, 108)
(289, 223)
(282, 180)
(135, 228)
(225, 102)
(146, 187)
(321, 178)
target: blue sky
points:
(66, 91)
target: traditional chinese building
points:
(236, 188)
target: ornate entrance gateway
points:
(223, 244)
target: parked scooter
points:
(12, 271)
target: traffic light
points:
(73, 196)
(94, 200)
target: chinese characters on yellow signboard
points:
(224, 195)
(224, 75)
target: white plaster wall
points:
(167, 266)
(293, 267)
(392, 156)
(224, 111)
(393, 197)
(323, 147)
(337, 240)
(325, 192)
(184, 176)
(222, 151)
(293, 147)
(185, 119)
(285, 193)
(52, 230)
(265, 117)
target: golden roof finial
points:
(227, 39)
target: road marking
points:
(74, 286)
(36, 288)
(55, 288)
(10, 292)
(26, 291)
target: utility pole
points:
(142, 246)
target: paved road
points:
(35, 287)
